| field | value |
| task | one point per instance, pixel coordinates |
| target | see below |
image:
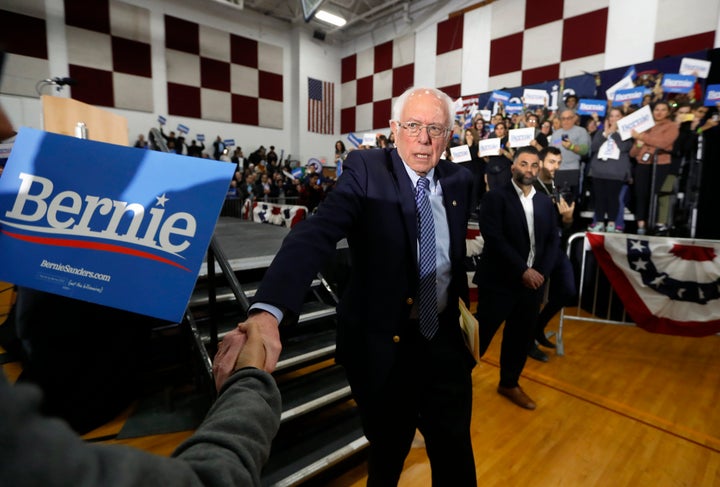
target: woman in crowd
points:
(652, 145)
(592, 126)
(546, 128)
(540, 141)
(480, 127)
(382, 142)
(340, 151)
(610, 168)
(497, 168)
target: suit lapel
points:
(538, 218)
(406, 194)
(450, 193)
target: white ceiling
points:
(362, 16)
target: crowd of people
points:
(271, 180)
(261, 176)
(600, 171)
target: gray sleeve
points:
(229, 448)
(233, 443)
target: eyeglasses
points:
(567, 118)
(413, 129)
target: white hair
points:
(399, 104)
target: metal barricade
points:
(613, 312)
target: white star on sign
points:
(161, 200)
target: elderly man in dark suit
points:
(519, 227)
(398, 335)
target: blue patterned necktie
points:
(427, 296)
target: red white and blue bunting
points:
(667, 285)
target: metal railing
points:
(613, 306)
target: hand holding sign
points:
(460, 153)
(521, 137)
(489, 147)
(637, 122)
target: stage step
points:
(224, 293)
(302, 394)
(309, 345)
(320, 426)
(304, 449)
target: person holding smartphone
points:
(573, 142)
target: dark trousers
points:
(643, 192)
(430, 389)
(561, 293)
(606, 193)
(519, 308)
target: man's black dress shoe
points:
(542, 340)
(538, 354)
(518, 396)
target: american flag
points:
(465, 106)
(321, 106)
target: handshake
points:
(254, 343)
(240, 348)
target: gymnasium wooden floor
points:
(622, 407)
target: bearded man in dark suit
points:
(519, 227)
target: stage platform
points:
(247, 244)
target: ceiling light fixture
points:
(333, 19)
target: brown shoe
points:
(518, 396)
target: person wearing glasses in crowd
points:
(403, 352)
(573, 142)
(540, 141)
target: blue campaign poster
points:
(109, 224)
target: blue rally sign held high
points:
(106, 223)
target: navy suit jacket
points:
(373, 205)
(504, 229)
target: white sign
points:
(535, 97)
(489, 147)
(695, 67)
(461, 153)
(639, 121)
(624, 84)
(369, 140)
(521, 137)
(486, 115)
